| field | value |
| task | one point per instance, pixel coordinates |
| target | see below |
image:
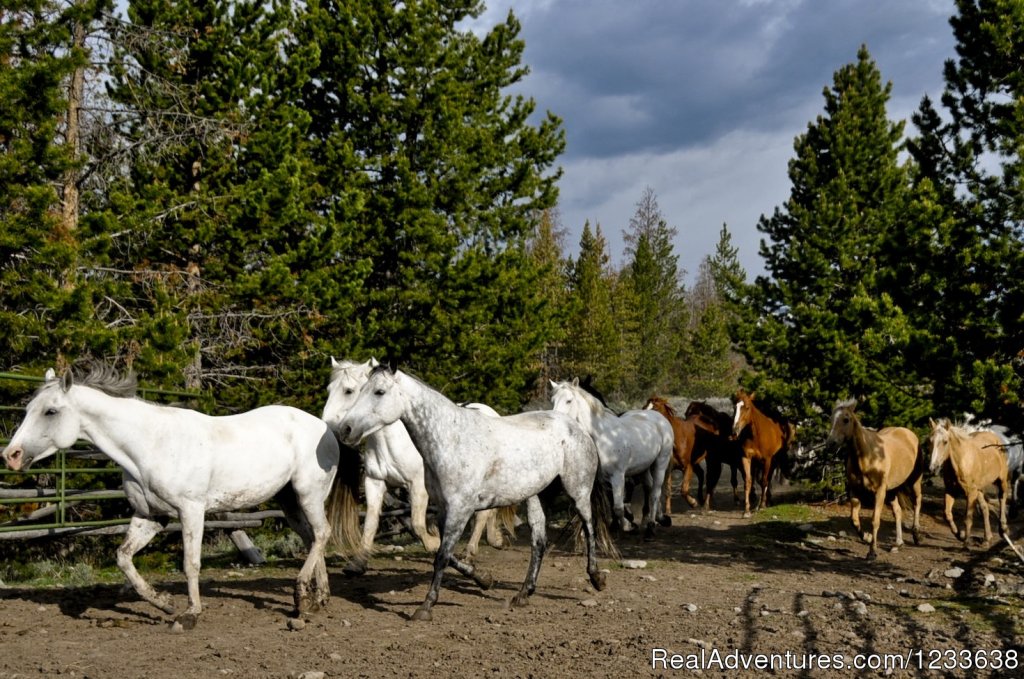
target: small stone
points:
(634, 563)
(690, 608)
(296, 624)
(926, 608)
(312, 675)
(859, 608)
(954, 572)
(700, 643)
(806, 527)
(588, 603)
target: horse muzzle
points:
(15, 458)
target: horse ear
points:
(752, 395)
(554, 385)
(931, 423)
(50, 375)
(576, 381)
(67, 381)
(334, 363)
(374, 362)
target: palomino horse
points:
(390, 459)
(970, 460)
(720, 446)
(475, 462)
(685, 454)
(761, 438)
(182, 463)
(636, 443)
(879, 465)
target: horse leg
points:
(748, 480)
(374, 489)
(699, 473)
(538, 545)
(735, 484)
(315, 568)
(684, 486)
(766, 485)
(1003, 489)
(666, 490)
(583, 496)
(453, 522)
(915, 529)
(618, 482)
(855, 516)
(983, 508)
(305, 515)
(140, 532)
(876, 521)
(897, 516)
(191, 519)
(418, 501)
(480, 523)
(948, 501)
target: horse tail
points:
(602, 516)
(343, 503)
(506, 518)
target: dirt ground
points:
(794, 594)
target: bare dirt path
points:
(735, 590)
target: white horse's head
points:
(378, 403)
(571, 399)
(52, 422)
(940, 438)
(347, 378)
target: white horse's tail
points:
(343, 503)
(602, 516)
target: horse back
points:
(992, 463)
(903, 456)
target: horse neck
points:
(116, 425)
(426, 415)
(760, 424)
(864, 440)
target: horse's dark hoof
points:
(649, 532)
(871, 556)
(665, 521)
(519, 600)
(599, 581)
(422, 614)
(917, 537)
(353, 569)
(185, 622)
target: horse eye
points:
(379, 392)
(349, 391)
(50, 412)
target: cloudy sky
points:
(701, 100)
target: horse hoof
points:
(665, 521)
(354, 569)
(599, 581)
(649, 532)
(747, 515)
(422, 614)
(519, 600)
(872, 555)
(185, 621)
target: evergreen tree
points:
(47, 306)
(594, 341)
(547, 252)
(656, 305)
(409, 111)
(830, 327)
(971, 170)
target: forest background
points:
(221, 195)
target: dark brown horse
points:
(685, 455)
(762, 438)
(720, 448)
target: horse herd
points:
(468, 461)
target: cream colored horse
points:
(879, 465)
(970, 460)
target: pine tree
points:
(977, 259)
(594, 342)
(653, 277)
(830, 326)
(410, 114)
(47, 306)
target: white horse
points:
(638, 442)
(182, 463)
(391, 459)
(475, 462)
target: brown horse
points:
(720, 447)
(761, 438)
(683, 453)
(879, 465)
(970, 460)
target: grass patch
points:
(791, 513)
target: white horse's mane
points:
(103, 377)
